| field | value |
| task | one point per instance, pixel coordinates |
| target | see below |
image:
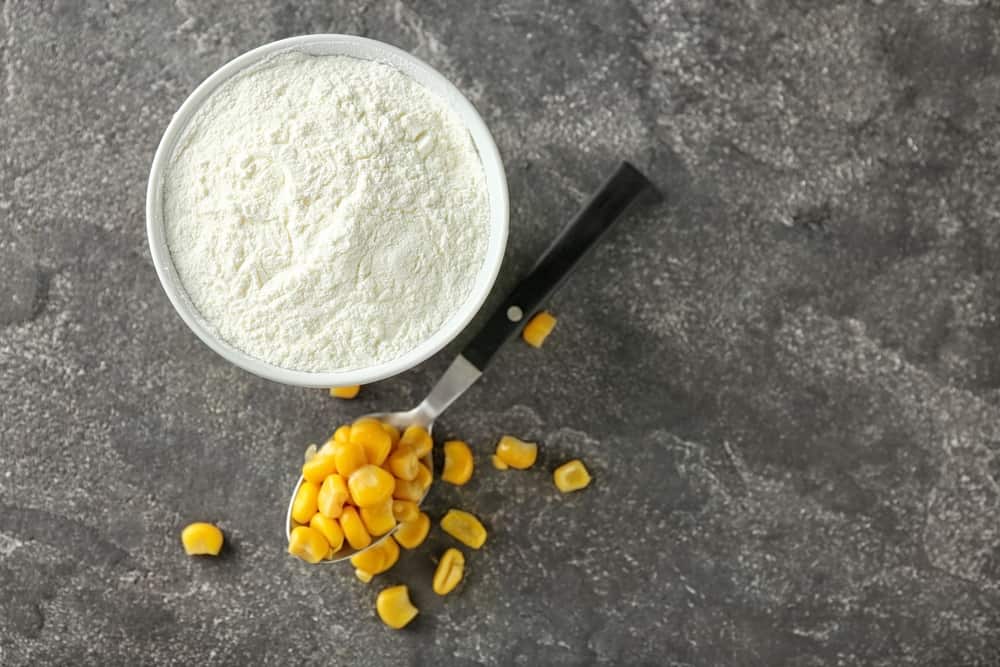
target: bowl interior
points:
(357, 47)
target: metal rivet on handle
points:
(514, 314)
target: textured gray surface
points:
(786, 380)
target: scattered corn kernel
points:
(342, 434)
(379, 519)
(424, 477)
(464, 527)
(538, 329)
(370, 485)
(517, 453)
(405, 510)
(201, 539)
(349, 457)
(308, 544)
(333, 494)
(318, 467)
(373, 438)
(354, 529)
(304, 505)
(377, 559)
(571, 476)
(449, 571)
(404, 463)
(345, 392)
(498, 463)
(418, 438)
(457, 462)
(411, 534)
(363, 576)
(393, 433)
(394, 607)
(408, 490)
(329, 529)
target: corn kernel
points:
(377, 559)
(370, 485)
(517, 453)
(342, 434)
(405, 510)
(354, 529)
(201, 539)
(310, 453)
(464, 527)
(408, 490)
(538, 329)
(349, 457)
(393, 433)
(394, 607)
(318, 467)
(411, 534)
(571, 476)
(329, 529)
(378, 518)
(418, 438)
(363, 576)
(308, 544)
(457, 462)
(424, 477)
(449, 571)
(403, 463)
(333, 494)
(498, 463)
(304, 505)
(345, 392)
(373, 438)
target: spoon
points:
(555, 264)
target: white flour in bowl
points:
(325, 213)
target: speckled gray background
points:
(786, 379)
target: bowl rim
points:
(437, 84)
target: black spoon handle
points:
(597, 215)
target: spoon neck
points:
(459, 377)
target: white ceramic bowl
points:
(357, 47)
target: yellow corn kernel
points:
(419, 439)
(394, 607)
(464, 527)
(538, 329)
(411, 534)
(201, 539)
(457, 462)
(378, 518)
(342, 434)
(517, 453)
(304, 505)
(308, 544)
(333, 494)
(404, 463)
(377, 559)
(373, 438)
(354, 529)
(318, 467)
(424, 477)
(310, 453)
(329, 529)
(370, 485)
(408, 490)
(345, 392)
(449, 571)
(349, 457)
(366, 577)
(393, 433)
(571, 476)
(498, 463)
(405, 510)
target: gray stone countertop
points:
(785, 379)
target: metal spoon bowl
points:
(606, 205)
